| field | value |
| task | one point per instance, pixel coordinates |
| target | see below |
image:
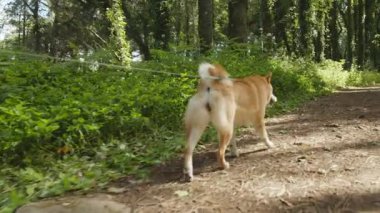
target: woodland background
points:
(67, 122)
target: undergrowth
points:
(70, 126)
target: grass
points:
(67, 127)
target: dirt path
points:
(327, 160)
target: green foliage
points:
(118, 35)
(91, 125)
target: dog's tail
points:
(209, 71)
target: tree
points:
(370, 30)
(161, 26)
(281, 8)
(118, 35)
(205, 25)
(266, 17)
(237, 26)
(348, 19)
(360, 33)
(319, 38)
(304, 7)
(334, 34)
(139, 30)
(34, 8)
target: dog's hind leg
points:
(196, 122)
(194, 135)
(261, 130)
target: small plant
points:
(90, 127)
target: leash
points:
(108, 65)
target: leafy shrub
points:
(91, 124)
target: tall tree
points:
(376, 40)
(138, 29)
(237, 26)
(360, 33)
(370, 30)
(161, 28)
(334, 34)
(304, 7)
(34, 7)
(281, 7)
(205, 25)
(348, 17)
(319, 38)
(266, 17)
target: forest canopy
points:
(95, 90)
(346, 30)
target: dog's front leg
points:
(234, 149)
(261, 130)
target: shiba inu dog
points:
(226, 103)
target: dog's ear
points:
(269, 77)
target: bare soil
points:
(327, 160)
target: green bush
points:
(89, 124)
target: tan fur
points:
(232, 103)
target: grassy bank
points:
(72, 126)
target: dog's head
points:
(271, 97)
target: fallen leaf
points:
(116, 190)
(322, 171)
(181, 193)
(301, 158)
(327, 149)
(331, 125)
(286, 202)
(334, 167)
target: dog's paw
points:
(270, 145)
(225, 165)
(187, 178)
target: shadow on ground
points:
(369, 202)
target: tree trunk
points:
(376, 55)
(205, 24)
(350, 32)
(267, 20)
(334, 34)
(360, 34)
(305, 33)
(161, 32)
(304, 38)
(187, 22)
(140, 38)
(19, 30)
(319, 42)
(178, 22)
(280, 24)
(36, 28)
(23, 23)
(370, 30)
(237, 14)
